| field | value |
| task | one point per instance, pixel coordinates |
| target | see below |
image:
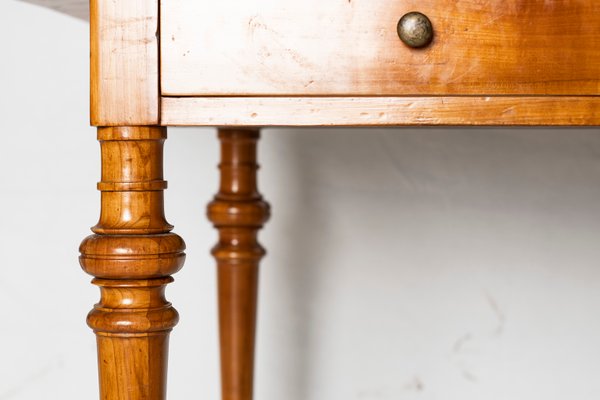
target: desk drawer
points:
(352, 48)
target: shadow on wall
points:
(369, 223)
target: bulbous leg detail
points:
(132, 256)
(238, 212)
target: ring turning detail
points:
(238, 211)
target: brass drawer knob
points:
(415, 29)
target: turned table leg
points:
(238, 212)
(132, 256)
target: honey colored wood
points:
(132, 256)
(124, 62)
(351, 48)
(256, 63)
(238, 212)
(76, 8)
(380, 111)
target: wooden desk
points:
(339, 64)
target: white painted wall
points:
(450, 264)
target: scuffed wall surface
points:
(76, 8)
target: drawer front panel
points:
(352, 48)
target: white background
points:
(450, 264)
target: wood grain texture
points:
(124, 62)
(380, 111)
(132, 256)
(238, 212)
(76, 8)
(351, 48)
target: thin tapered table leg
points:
(238, 212)
(132, 256)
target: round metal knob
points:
(415, 29)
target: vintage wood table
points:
(240, 66)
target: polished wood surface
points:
(238, 211)
(76, 8)
(124, 62)
(380, 111)
(260, 63)
(351, 48)
(132, 255)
